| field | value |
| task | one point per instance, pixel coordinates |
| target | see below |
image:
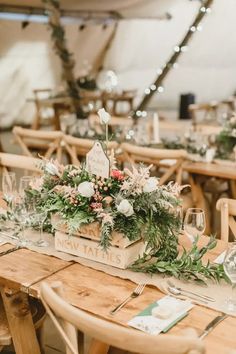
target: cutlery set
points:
(174, 290)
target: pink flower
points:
(37, 184)
(117, 174)
(96, 206)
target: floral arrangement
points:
(130, 202)
(226, 139)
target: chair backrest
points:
(122, 122)
(77, 147)
(45, 142)
(109, 332)
(171, 160)
(205, 110)
(227, 208)
(20, 162)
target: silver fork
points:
(137, 291)
(205, 297)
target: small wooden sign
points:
(97, 161)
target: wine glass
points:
(9, 186)
(230, 270)
(23, 212)
(194, 223)
(25, 182)
(39, 219)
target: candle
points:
(156, 137)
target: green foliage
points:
(131, 226)
(106, 236)
(187, 266)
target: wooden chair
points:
(77, 147)
(207, 111)
(67, 318)
(227, 208)
(45, 143)
(9, 161)
(42, 106)
(38, 313)
(171, 160)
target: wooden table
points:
(196, 172)
(22, 271)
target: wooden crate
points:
(85, 243)
(90, 249)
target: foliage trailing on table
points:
(129, 202)
(226, 139)
(187, 265)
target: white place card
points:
(161, 315)
(97, 161)
(220, 258)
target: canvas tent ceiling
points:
(125, 8)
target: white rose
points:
(86, 189)
(104, 116)
(125, 208)
(51, 169)
(150, 185)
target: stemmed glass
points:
(9, 186)
(39, 219)
(25, 184)
(23, 212)
(194, 223)
(230, 270)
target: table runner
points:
(220, 292)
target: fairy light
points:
(172, 62)
(160, 89)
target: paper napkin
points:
(161, 315)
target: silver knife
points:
(212, 325)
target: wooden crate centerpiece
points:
(105, 214)
(85, 243)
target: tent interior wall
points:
(27, 59)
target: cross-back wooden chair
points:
(227, 208)
(67, 319)
(45, 143)
(171, 160)
(43, 107)
(26, 163)
(207, 111)
(78, 148)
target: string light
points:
(178, 49)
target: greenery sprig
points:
(188, 265)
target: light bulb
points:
(160, 89)
(147, 91)
(153, 87)
(176, 48)
(193, 29)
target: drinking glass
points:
(39, 219)
(23, 212)
(25, 182)
(9, 186)
(194, 223)
(230, 270)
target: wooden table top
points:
(98, 292)
(210, 169)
